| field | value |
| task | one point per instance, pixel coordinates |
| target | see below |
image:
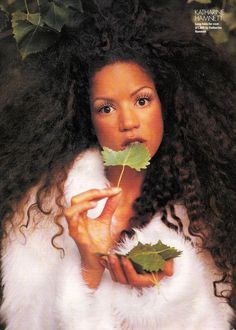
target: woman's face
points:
(125, 107)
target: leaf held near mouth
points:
(136, 156)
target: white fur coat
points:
(43, 291)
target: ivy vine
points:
(37, 24)
(37, 27)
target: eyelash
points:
(106, 104)
(145, 96)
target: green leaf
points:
(146, 256)
(166, 251)
(34, 19)
(30, 34)
(22, 26)
(136, 156)
(4, 19)
(54, 16)
(230, 20)
(39, 29)
(200, 1)
(219, 36)
(151, 258)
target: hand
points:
(123, 271)
(92, 235)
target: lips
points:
(132, 139)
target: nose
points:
(128, 119)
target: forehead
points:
(128, 74)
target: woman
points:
(119, 79)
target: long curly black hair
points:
(45, 121)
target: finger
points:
(74, 211)
(117, 269)
(130, 272)
(103, 262)
(95, 194)
(168, 268)
(109, 208)
(113, 277)
(134, 279)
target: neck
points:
(131, 180)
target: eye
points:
(143, 100)
(106, 109)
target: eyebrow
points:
(132, 94)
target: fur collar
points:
(90, 170)
(44, 291)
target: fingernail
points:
(116, 189)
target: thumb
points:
(168, 268)
(110, 207)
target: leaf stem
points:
(39, 8)
(223, 5)
(27, 8)
(156, 282)
(121, 174)
(123, 168)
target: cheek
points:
(156, 129)
(155, 120)
(104, 131)
(100, 132)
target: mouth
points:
(132, 140)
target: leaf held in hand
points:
(136, 156)
(152, 257)
(166, 251)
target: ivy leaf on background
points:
(4, 19)
(23, 24)
(30, 34)
(136, 156)
(151, 258)
(34, 19)
(200, 1)
(219, 36)
(12, 6)
(230, 19)
(54, 16)
(73, 12)
(39, 29)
